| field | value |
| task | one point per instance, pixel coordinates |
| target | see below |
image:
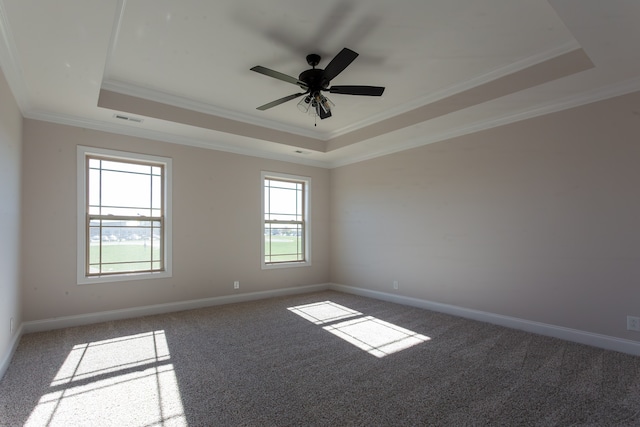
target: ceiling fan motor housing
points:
(314, 79)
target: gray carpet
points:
(322, 359)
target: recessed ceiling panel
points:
(202, 51)
(183, 67)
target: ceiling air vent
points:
(127, 118)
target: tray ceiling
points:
(181, 69)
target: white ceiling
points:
(183, 66)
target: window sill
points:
(128, 277)
(285, 265)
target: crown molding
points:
(202, 107)
(461, 87)
(600, 94)
(10, 65)
(583, 98)
(138, 132)
(111, 84)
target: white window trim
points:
(81, 246)
(307, 220)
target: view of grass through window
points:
(284, 220)
(124, 256)
(125, 216)
(282, 248)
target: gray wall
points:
(10, 179)
(537, 220)
(216, 225)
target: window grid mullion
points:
(100, 218)
(299, 212)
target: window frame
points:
(306, 219)
(82, 203)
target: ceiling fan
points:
(316, 80)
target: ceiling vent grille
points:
(127, 118)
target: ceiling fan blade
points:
(357, 90)
(278, 75)
(339, 63)
(279, 101)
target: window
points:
(285, 220)
(123, 210)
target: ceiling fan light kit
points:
(316, 80)
(313, 104)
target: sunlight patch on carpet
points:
(368, 333)
(115, 382)
(320, 313)
(376, 336)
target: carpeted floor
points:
(321, 359)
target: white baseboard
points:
(104, 316)
(596, 340)
(4, 364)
(588, 338)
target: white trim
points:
(588, 338)
(201, 107)
(13, 345)
(128, 313)
(572, 101)
(128, 129)
(595, 340)
(471, 83)
(82, 279)
(307, 219)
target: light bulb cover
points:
(305, 104)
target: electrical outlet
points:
(633, 323)
(236, 284)
(395, 284)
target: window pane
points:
(284, 218)
(156, 251)
(125, 167)
(267, 201)
(106, 250)
(283, 184)
(116, 211)
(284, 243)
(283, 202)
(121, 245)
(125, 190)
(94, 187)
(156, 194)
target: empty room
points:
(319, 213)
